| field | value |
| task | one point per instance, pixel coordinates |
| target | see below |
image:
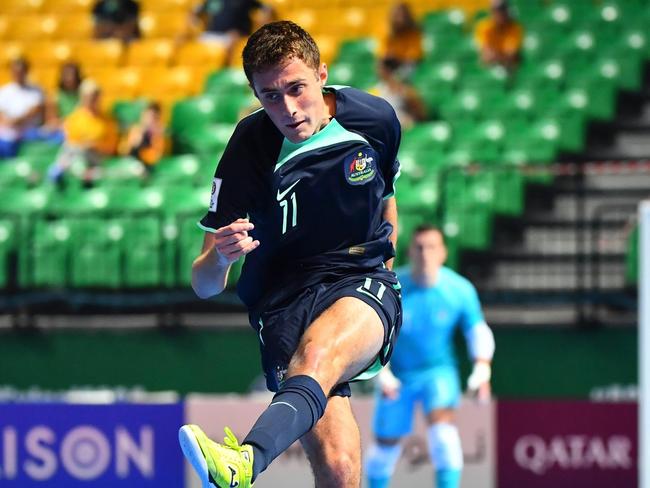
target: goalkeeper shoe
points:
(226, 465)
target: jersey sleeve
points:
(471, 313)
(230, 197)
(392, 138)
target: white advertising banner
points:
(291, 470)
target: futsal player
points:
(304, 190)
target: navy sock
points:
(295, 409)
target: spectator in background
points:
(65, 100)
(21, 109)
(225, 22)
(402, 96)
(146, 140)
(403, 44)
(67, 94)
(116, 19)
(499, 36)
(90, 135)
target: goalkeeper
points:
(423, 367)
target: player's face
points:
(292, 96)
(427, 252)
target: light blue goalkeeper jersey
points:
(431, 315)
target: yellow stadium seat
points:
(180, 81)
(236, 61)
(328, 47)
(167, 25)
(106, 53)
(4, 26)
(32, 27)
(10, 50)
(117, 83)
(75, 26)
(68, 6)
(150, 52)
(307, 18)
(48, 53)
(46, 78)
(167, 5)
(5, 76)
(197, 53)
(20, 7)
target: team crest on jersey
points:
(216, 186)
(361, 167)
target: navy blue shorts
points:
(280, 329)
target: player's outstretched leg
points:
(217, 465)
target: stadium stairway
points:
(569, 258)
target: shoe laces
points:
(230, 440)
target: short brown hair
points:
(276, 42)
(427, 227)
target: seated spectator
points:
(402, 96)
(116, 19)
(225, 22)
(499, 36)
(65, 100)
(67, 94)
(404, 41)
(146, 140)
(90, 136)
(21, 109)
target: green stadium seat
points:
(77, 202)
(39, 150)
(227, 80)
(189, 113)
(127, 112)
(124, 170)
(143, 264)
(362, 75)
(50, 255)
(419, 196)
(178, 170)
(356, 50)
(474, 227)
(8, 241)
(204, 140)
(17, 172)
(96, 253)
(444, 22)
(626, 73)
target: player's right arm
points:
(220, 249)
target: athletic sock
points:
(448, 478)
(293, 412)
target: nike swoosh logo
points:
(280, 196)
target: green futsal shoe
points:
(226, 465)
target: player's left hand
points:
(478, 382)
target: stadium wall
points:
(529, 363)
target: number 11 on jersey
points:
(285, 212)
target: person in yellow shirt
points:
(403, 44)
(90, 135)
(499, 36)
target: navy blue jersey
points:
(317, 205)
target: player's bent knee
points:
(381, 460)
(444, 446)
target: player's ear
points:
(322, 73)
